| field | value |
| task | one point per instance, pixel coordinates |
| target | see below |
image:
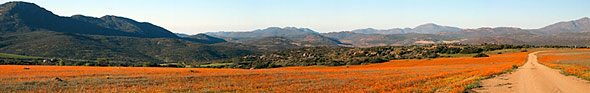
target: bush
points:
(481, 55)
(149, 64)
(88, 64)
(61, 63)
(514, 67)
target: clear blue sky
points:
(197, 16)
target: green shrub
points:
(88, 64)
(149, 64)
(481, 55)
(514, 66)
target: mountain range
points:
(562, 33)
(302, 37)
(28, 29)
(429, 28)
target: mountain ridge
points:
(17, 14)
(28, 29)
(428, 28)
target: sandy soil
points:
(533, 77)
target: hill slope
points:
(23, 16)
(27, 29)
(306, 37)
(131, 49)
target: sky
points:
(198, 16)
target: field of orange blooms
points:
(572, 62)
(426, 75)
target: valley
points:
(268, 46)
(412, 75)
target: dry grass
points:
(441, 74)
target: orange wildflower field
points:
(572, 62)
(425, 75)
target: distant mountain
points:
(181, 35)
(562, 33)
(384, 31)
(429, 28)
(268, 32)
(370, 40)
(306, 37)
(484, 32)
(23, 16)
(206, 39)
(580, 25)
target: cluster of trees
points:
(15, 61)
(75, 62)
(329, 56)
(355, 56)
(64, 62)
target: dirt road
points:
(533, 77)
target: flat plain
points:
(456, 74)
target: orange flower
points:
(411, 75)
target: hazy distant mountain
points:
(384, 31)
(181, 35)
(23, 16)
(369, 40)
(580, 25)
(260, 33)
(429, 28)
(305, 36)
(563, 33)
(484, 32)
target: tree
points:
(101, 61)
(481, 55)
(149, 64)
(77, 64)
(61, 62)
(88, 64)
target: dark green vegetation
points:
(357, 56)
(126, 49)
(6, 59)
(202, 38)
(482, 55)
